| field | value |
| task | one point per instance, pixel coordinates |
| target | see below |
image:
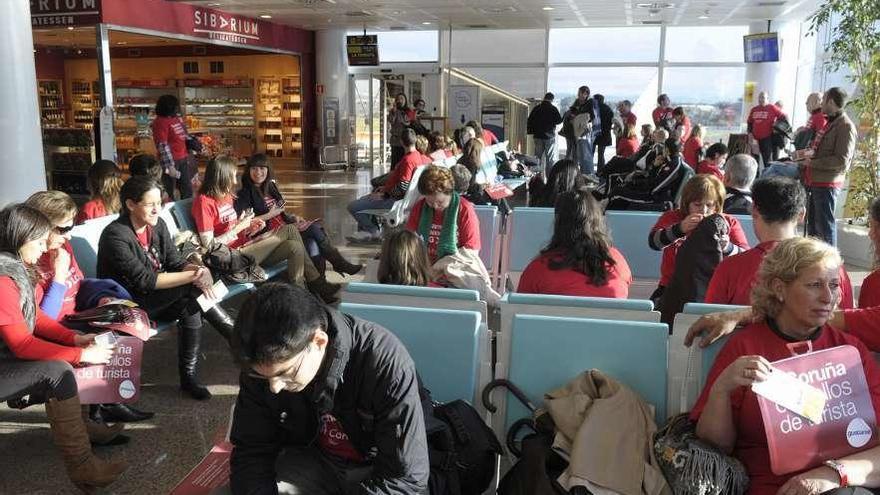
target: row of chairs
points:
(542, 342)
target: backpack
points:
(462, 449)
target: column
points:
(776, 78)
(22, 165)
(331, 60)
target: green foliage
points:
(855, 43)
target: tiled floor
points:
(164, 449)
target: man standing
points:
(760, 124)
(662, 115)
(601, 128)
(624, 109)
(541, 124)
(825, 170)
(581, 117)
(328, 403)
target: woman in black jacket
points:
(259, 191)
(137, 251)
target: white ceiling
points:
(510, 14)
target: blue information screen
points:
(761, 48)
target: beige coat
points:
(834, 151)
(608, 432)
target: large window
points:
(705, 43)
(406, 46)
(482, 46)
(525, 82)
(711, 97)
(613, 44)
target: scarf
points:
(448, 243)
(12, 267)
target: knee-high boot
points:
(188, 343)
(335, 258)
(221, 321)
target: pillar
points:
(22, 166)
(331, 60)
(776, 78)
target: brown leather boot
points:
(335, 258)
(85, 470)
(101, 433)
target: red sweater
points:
(403, 172)
(49, 339)
(217, 216)
(627, 147)
(735, 276)
(762, 118)
(170, 130)
(691, 147)
(709, 168)
(489, 137)
(538, 278)
(751, 440)
(46, 272)
(91, 209)
(468, 227)
(869, 297)
(864, 324)
(661, 114)
(672, 217)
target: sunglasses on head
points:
(63, 230)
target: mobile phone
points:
(280, 203)
(106, 338)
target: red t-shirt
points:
(734, 277)
(335, 442)
(46, 273)
(489, 137)
(817, 121)
(627, 147)
(468, 227)
(404, 169)
(91, 209)
(217, 216)
(869, 297)
(660, 115)
(686, 126)
(538, 278)
(49, 340)
(709, 168)
(751, 440)
(691, 147)
(170, 130)
(672, 217)
(762, 119)
(864, 324)
(629, 118)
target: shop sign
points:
(363, 50)
(143, 83)
(217, 83)
(220, 26)
(51, 13)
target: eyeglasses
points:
(63, 230)
(289, 374)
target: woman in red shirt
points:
(627, 142)
(869, 296)
(105, 181)
(580, 260)
(796, 293)
(37, 352)
(216, 220)
(170, 137)
(693, 147)
(701, 197)
(716, 156)
(683, 126)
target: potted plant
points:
(854, 44)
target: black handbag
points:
(232, 265)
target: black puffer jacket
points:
(121, 257)
(368, 382)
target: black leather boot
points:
(220, 320)
(121, 413)
(188, 341)
(335, 258)
(326, 291)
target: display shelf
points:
(85, 98)
(51, 103)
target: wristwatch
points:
(841, 471)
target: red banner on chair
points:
(848, 420)
(118, 381)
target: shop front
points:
(244, 85)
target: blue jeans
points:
(545, 151)
(781, 169)
(367, 223)
(584, 155)
(820, 214)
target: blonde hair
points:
(57, 206)
(785, 263)
(629, 130)
(699, 187)
(422, 144)
(697, 131)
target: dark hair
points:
(404, 260)
(145, 164)
(134, 189)
(778, 199)
(275, 323)
(549, 96)
(408, 137)
(874, 209)
(20, 224)
(599, 98)
(258, 160)
(673, 145)
(167, 106)
(564, 176)
(405, 99)
(584, 88)
(678, 111)
(837, 95)
(219, 177)
(716, 149)
(471, 156)
(105, 180)
(437, 141)
(580, 236)
(661, 97)
(416, 103)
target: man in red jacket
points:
(760, 122)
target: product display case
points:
(68, 154)
(51, 103)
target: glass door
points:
(369, 126)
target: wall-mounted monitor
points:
(762, 47)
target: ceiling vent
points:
(652, 23)
(476, 26)
(506, 9)
(398, 28)
(771, 4)
(655, 5)
(358, 13)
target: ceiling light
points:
(265, 16)
(548, 8)
(704, 15)
(70, 28)
(655, 5)
(121, 42)
(426, 23)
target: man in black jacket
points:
(603, 136)
(541, 124)
(328, 403)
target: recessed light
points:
(426, 23)
(265, 16)
(70, 28)
(121, 42)
(548, 8)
